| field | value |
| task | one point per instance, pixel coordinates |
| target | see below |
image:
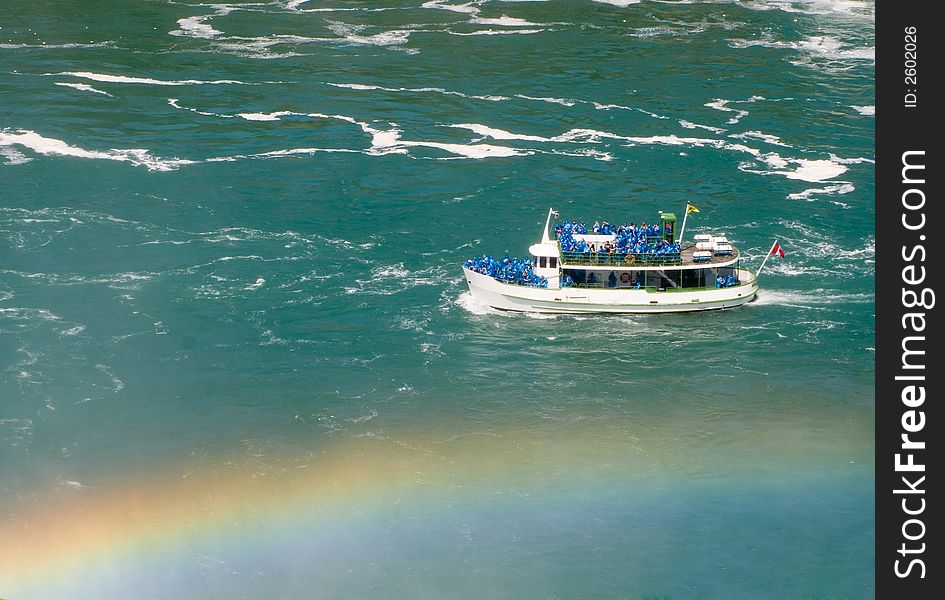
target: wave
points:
(868, 110)
(619, 3)
(689, 125)
(814, 47)
(105, 78)
(764, 137)
(497, 32)
(468, 302)
(499, 134)
(386, 280)
(51, 146)
(504, 21)
(839, 188)
(362, 87)
(352, 34)
(811, 170)
(84, 87)
(469, 8)
(569, 102)
(45, 46)
(12, 156)
(846, 8)
(808, 299)
(196, 27)
(722, 104)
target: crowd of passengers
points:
(509, 270)
(628, 239)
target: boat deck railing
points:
(641, 259)
(649, 288)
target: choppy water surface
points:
(239, 361)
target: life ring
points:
(625, 278)
(630, 260)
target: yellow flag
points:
(690, 209)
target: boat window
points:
(553, 262)
(542, 262)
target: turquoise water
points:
(239, 359)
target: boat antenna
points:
(545, 239)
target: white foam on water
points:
(572, 136)
(829, 47)
(561, 101)
(105, 78)
(84, 87)
(45, 46)
(351, 34)
(12, 156)
(472, 150)
(792, 168)
(757, 135)
(255, 286)
(498, 98)
(815, 170)
(689, 125)
(469, 8)
(675, 140)
(259, 47)
(504, 21)
(118, 384)
(838, 188)
(497, 32)
(435, 90)
(585, 152)
(867, 110)
(845, 8)
(388, 141)
(851, 161)
(722, 104)
(807, 299)
(469, 303)
(273, 116)
(51, 146)
(499, 134)
(196, 27)
(818, 46)
(175, 103)
(284, 152)
(620, 3)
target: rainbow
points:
(168, 534)
(76, 537)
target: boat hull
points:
(573, 300)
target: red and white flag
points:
(776, 249)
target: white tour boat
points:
(611, 269)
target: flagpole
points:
(545, 238)
(683, 230)
(767, 256)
